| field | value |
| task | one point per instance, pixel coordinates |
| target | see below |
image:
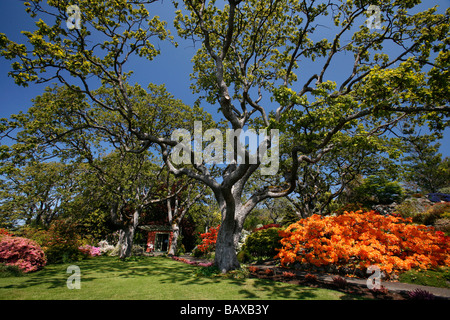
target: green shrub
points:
(263, 243)
(64, 254)
(379, 190)
(208, 272)
(243, 256)
(445, 190)
(411, 207)
(60, 242)
(9, 271)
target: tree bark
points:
(174, 243)
(126, 236)
(125, 242)
(226, 258)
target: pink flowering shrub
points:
(21, 252)
(90, 250)
(193, 263)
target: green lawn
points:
(153, 278)
(434, 278)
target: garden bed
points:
(323, 281)
(351, 286)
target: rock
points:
(442, 225)
(385, 209)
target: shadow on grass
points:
(55, 275)
(164, 271)
(183, 275)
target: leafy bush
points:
(433, 213)
(207, 271)
(412, 207)
(60, 242)
(64, 253)
(357, 240)
(9, 271)
(243, 256)
(377, 190)
(263, 243)
(445, 190)
(21, 252)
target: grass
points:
(150, 278)
(435, 278)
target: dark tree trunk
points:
(226, 258)
(126, 236)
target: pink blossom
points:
(90, 250)
(21, 252)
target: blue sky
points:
(172, 67)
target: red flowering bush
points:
(4, 232)
(21, 252)
(208, 240)
(360, 239)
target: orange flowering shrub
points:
(208, 240)
(253, 269)
(360, 239)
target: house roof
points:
(154, 227)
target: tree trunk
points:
(229, 232)
(125, 242)
(174, 243)
(126, 236)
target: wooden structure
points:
(159, 237)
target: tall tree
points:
(424, 168)
(254, 49)
(36, 194)
(249, 63)
(61, 123)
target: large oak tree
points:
(251, 63)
